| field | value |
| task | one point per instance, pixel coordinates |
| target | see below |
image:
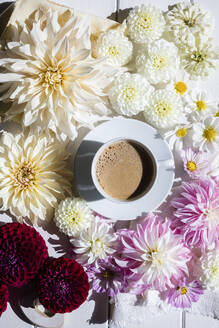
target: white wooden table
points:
(99, 314)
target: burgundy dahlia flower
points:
(4, 297)
(62, 285)
(22, 253)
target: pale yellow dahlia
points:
(33, 175)
(50, 76)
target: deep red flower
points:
(62, 285)
(22, 253)
(4, 297)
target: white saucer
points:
(128, 129)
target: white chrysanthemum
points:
(96, 242)
(52, 79)
(200, 104)
(145, 23)
(210, 270)
(129, 94)
(72, 216)
(178, 137)
(206, 134)
(33, 175)
(160, 63)
(164, 109)
(115, 46)
(186, 22)
(200, 58)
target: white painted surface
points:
(79, 318)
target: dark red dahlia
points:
(4, 297)
(62, 285)
(22, 253)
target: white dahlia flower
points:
(115, 46)
(129, 94)
(52, 80)
(33, 175)
(145, 23)
(210, 269)
(164, 109)
(72, 216)
(160, 63)
(186, 22)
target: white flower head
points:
(181, 84)
(185, 22)
(33, 175)
(129, 94)
(52, 79)
(210, 270)
(178, 137)
(200, 104)
(160, 63)
(200, 58)
(206, 134)
(72, 216)
(145, 23)
(164, 110)
(115, 46)
(96, 242)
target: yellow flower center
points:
(24, 176)
(183, 290)
(113, 51)
(74, 216)
(190, 22)
(191, 166)
(214, 269)
(217, 114)
(97, 246)
(155, 257)
(144, 22)
(129, 94)
(209, 134)
(200, 105)
(198, 57)
(159, 62)
(181, 87)
(52, 77)
(163, 109)
(108, 275)
(181, 133)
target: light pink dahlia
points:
(155, 252)
(197, 212)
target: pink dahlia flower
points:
(156, 253)
(197, 212)
(195, 163)
(185, 293)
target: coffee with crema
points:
(124, 170)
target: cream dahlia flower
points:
(160, 63)
(51, 77)
(115, 46)
(200, 58)
(33, 175)
(72, 216)
(129, 94)
(186, 22)
(145, 23)
(164, 109)
(96, 242)
(210, 270)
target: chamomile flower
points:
(186, 22)
(200, 104)
(72, 216)
(160, 63)
(206, 134)
(164, 109)
(115, 46)
(195, 163)
(129, 94)
(210, 269)
(200, 58)
(145, 23)
(178, 137)
(181, 84)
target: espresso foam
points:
(119, 170)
